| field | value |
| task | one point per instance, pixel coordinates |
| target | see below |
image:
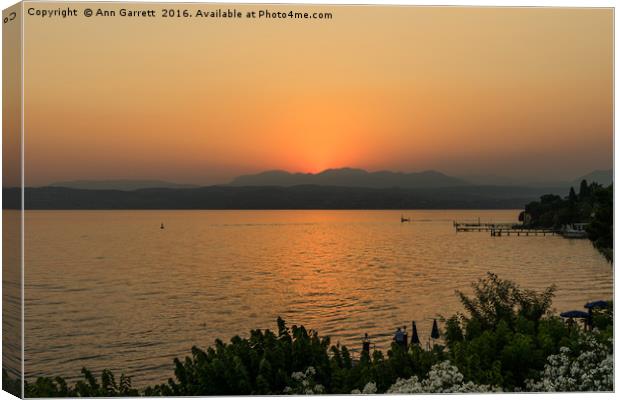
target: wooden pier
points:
(501, 229)
(481, 226)
(523, 232)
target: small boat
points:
(403, 219)
(574, 234)
(162, 226)
(575, 231)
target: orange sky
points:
(517, 92)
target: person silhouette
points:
(399, 337)
(366, 343)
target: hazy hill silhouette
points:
(351, 177)
(343, 177)
(604, 177)
(121, 184)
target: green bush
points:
(87, 387)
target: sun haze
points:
(521, 92)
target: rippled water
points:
(11, 293)
(110, 289)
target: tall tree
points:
(584, 189)
(572, 196)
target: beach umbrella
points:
(574, 314)
(435, 331)
(597, 304)
(414, 334)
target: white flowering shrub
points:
(442, 378)
(303, 383)
(369, 388)
(592, 369)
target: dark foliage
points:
(504, 338)
(601, 229)
(89, 386)
(593, 205)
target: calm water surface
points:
(110, 289)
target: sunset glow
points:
(462, 91)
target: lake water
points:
(110, 289)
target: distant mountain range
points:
(351, 177)
(121, 184)
(347, 177)
(344, 188)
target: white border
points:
(488, 3)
